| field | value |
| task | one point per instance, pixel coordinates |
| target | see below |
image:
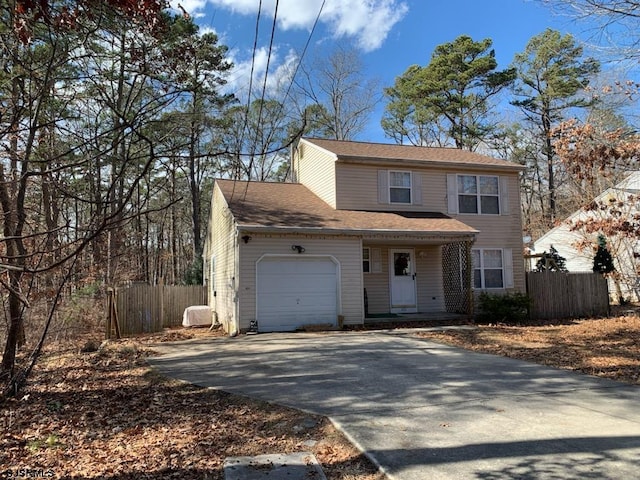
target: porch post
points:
(468, 280)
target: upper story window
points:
(399, 187)
(478, 194)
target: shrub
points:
(512, 308)
(603, 261)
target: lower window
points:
(488, 268)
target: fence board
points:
(150, 308)
(567, 294)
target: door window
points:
(402, 264)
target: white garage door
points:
(296, 291)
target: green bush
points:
(511, 308)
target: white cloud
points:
(367, 21)
(280, 71)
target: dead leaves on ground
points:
(105, 414)
(607, 347)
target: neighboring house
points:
(416, 228)
(578, 248)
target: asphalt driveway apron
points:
(422, 410)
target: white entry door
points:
(402, 274)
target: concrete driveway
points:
(422, 410)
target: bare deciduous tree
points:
(343, 96)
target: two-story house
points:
(364, 229)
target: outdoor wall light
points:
(298, 248)
(246, 238)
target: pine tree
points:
(603, 261)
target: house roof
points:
(292, 206)
(377, 152)
(630, 185)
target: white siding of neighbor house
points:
(430, 293)
(346, 250)
(315, 169)
(564, 241)
(623, 250)
(221, 244)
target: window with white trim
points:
(488, 268)
(478, 194)
(399, 187)
(366, 259)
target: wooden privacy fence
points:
(150, 308)
(567, 294)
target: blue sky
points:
(391, 35)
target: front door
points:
(402, 273)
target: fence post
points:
(112, 313)
(161, 285)
(107, 332)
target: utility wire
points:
(253, 64)
(287, 93)
(264, 89)
(304, 50)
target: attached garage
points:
(294, 291)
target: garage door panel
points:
(293, 292)
(298, 284)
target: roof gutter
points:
(430, 163)
(342, 231)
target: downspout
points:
(205, 268)
(236, 270)
(362, 297)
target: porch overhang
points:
(368, 235)
(411, 238)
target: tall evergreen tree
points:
(448, 100)
(551, 74)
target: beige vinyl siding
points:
(430, 294)
(429, 278)
(357, 188)
(502, 231)
(346, 250)
(377, 284)
(496, 231)
(221, 243)
(315, 169)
